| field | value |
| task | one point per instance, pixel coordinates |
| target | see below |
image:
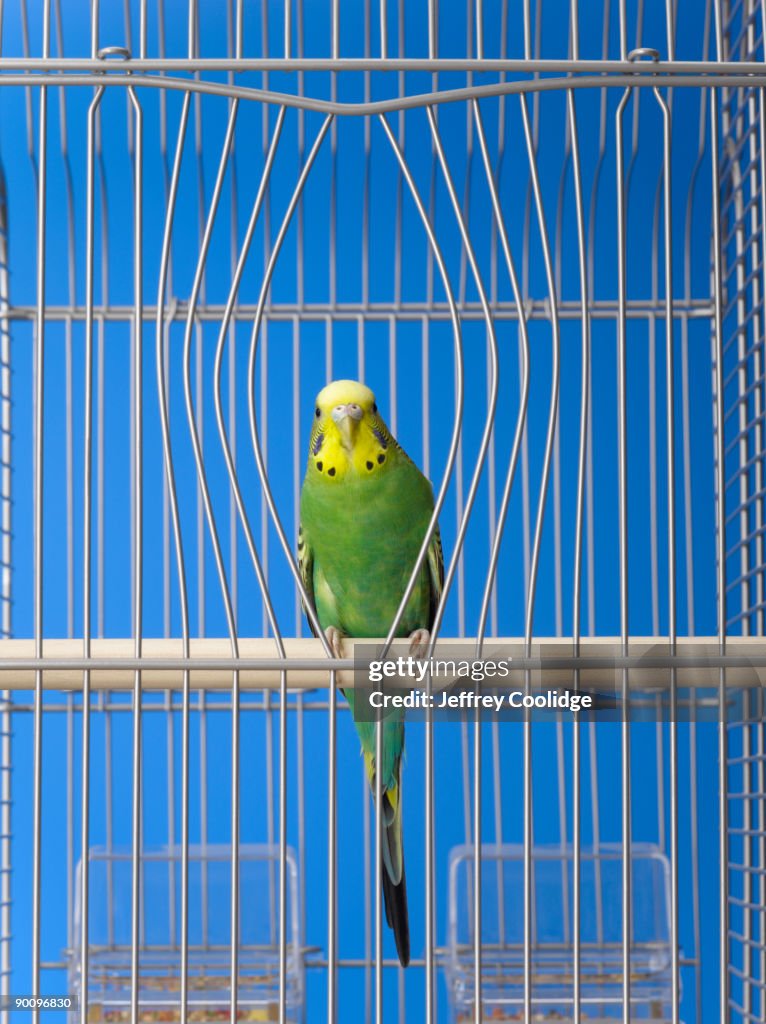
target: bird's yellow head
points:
(348, 434)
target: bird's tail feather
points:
(392, 860)
(395, 900)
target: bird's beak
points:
(347, 419)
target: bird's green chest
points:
(365, 537)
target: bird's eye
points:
(374, 407)
(316, 412)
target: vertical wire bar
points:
(301, 149)
(761, 827)
(393, 347)
(670, 28)
(433, 28)
(494, 528)
(108, 816)
(297, 455)
(100, 503)
(758, 179)
(671, 500)
(383, 30)
(366, 853)
(477, 730)
(203, 816)
(731, 127)
(723, 902)
(39, 421)
(69, 445)
(513, 461)
(267, 698)
(747, 856)
(689, 546)
(377, 869)
(590, 520)
(301, 809)
(529, 907)
(142, 27)
(300, 768)
(477, 875)
(623, 30)
(283, 850)
(756, 312)
(694, 825)
(282, 734)
(87, 555)
(430, 821)
(138, 517)
(232, 410)
(94, 25)
(6, 851)
(430, 909)
(191, 28)
(623, 529)
(581, 469)
(6, 590)
(761, 559)
(71, 280)
(166, 600)
(465, 764)
(162, 339)
(653, 528)
(166, 328)
(170, 759)
(239, 40)
(332, 864)
(200, 338)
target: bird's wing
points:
(436, 572)
(306, 569)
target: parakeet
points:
(365, 510)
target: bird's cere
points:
(347, 417)
(350, 410)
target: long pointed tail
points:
(392, 867)
(395, 900)
(392, 852)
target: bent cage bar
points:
(537, 231)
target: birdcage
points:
(536, 230)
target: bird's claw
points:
(419, 641)
(335, 640)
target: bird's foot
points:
(419, 641)
(335, 640)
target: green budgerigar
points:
(365, 510)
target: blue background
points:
(393, 364)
